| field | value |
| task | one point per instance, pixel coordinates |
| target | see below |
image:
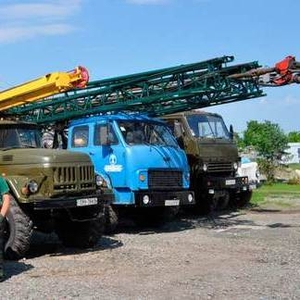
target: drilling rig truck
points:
(113, 121)
(109, 105)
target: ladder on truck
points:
(45, 86)
(155, 93)
(160, 92)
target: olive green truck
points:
(52, 190)
(213, 159)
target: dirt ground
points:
(250, 254)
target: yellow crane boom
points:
(48, 85)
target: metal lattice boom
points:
(155, 93)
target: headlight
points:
(235, 166)
(32, 186)
(146, 199)
(204, 167)
(100, 181)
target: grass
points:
(294, 166)
(277, 192)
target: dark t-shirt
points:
(4, 189)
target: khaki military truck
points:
(51, 190)
(213, 159)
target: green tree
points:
(294, 137)
(269, 140)
(238, 140)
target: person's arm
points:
(5, 205)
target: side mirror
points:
(231, 131)
(180, 142)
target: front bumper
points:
(164, 198)
(93, 200)
(239, 183)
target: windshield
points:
(14, 137)
(208, 126)
(138, 133)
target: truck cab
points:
(213, 159)
(138, 157)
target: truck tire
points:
(223, 201)
(111, 219)
(204, 204)
(243, 199)
(80, 234)
(18, 232)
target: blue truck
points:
(140, 159)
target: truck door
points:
(108, 154)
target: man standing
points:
(4, 204)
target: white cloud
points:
(14, 34)
(148, 2)
(30, 20)
(31, 10)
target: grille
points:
(65, 175)
(73, 178)
(86, 173)
(219, 167)
(164, 179)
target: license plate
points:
(87, 201)
(252, 186)
(171, 202)
(230, 182)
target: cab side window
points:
(80, 136)
(104, 135)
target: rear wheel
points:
(18, 232)
(80, 234)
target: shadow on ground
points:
(130, 227)
(14, 268)
(49, 244)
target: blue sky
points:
(119, 37)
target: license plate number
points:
(87, 201)
(171, 202)
(230, 182)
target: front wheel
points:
(17, 232)
(242, 199)
(111, 219)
